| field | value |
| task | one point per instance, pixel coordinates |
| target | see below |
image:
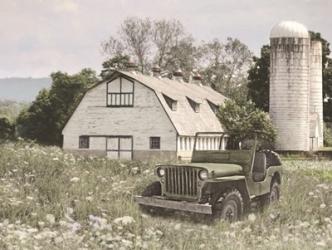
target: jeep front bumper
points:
(158, 201)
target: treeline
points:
(227, 66)
(166, 44)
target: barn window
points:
(120, 93)
(84, 142)
(194, 105)
(170, 102)
(154, 142)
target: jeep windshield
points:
(205, 141)
(215, 147)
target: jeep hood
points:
(218, 169)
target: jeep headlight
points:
(161, 172)
(203, 175)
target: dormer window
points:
(213, 107)
(194, 105)
(170, 102)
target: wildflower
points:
(74, 227)
(70, 210)
(135, 170)
(177, 226)
(251, 217)
(125, 220)
(246, 230)
(311, 193)
(322, 206)
(89, 198)
(55, 159)
(41, 223)
(50, 218)
(74, 179)
(321, 244)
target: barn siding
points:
(147, 118)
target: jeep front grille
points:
(181, 181)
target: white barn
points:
(140, 117)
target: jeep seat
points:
(259, 168)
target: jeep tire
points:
(274, 192)
(272, 197)
(229, 206)
(153, 189)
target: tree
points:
(134, 39)
(44, 119)
(185, 55)
(259, 79)
(118, 62)
(165, 42)
(227, 66)
(7, 129)
(244, 120)
(166, 35)
(327, 91)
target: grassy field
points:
(52, 200)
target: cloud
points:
(66, 5)
(41, 36)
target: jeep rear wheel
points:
(274, 192)
(271, 197)
(229, 206)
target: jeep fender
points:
(216, 187)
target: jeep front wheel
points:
(229, 206)
(152, 190)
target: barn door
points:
(119, 147)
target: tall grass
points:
(50, 199)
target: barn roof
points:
(185, 120)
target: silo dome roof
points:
(289, 29)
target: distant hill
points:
(22, 89)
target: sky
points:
(38, 37)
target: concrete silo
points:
(316, 96)
(295, 87)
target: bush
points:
(7, 129)
(328, 134)
(243, 121)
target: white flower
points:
(74, 179)
(251, 217)
(135, 170)
(41, 223)
(322, 206)
(89, 198)
(70, 210)
(75, 227)
(311, 193)
(177, 226)
(50, 218)
(125, 220)
(321, 243)
(55, 159)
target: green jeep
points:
(222, 183)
